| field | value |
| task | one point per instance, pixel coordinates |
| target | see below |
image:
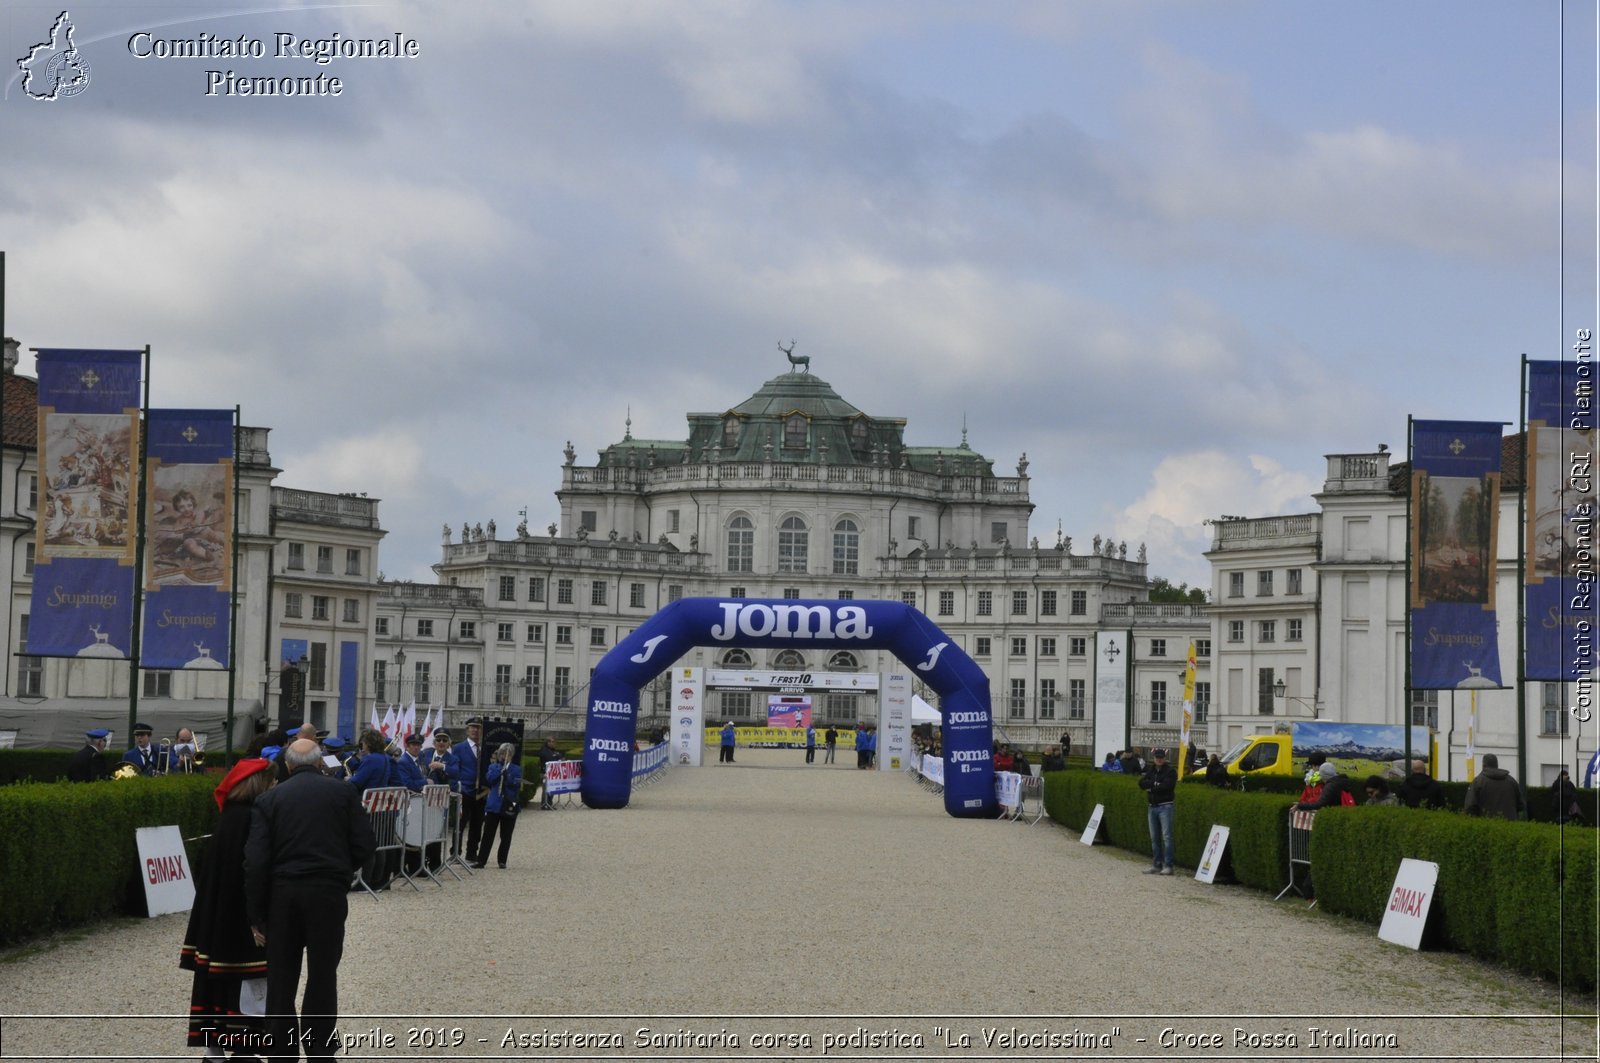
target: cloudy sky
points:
(1174, 250)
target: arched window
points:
(843, 661)
(795, 430)
(794, 542)
(789, 660)
(730, 431)
(736, 659)
(846, 548)
(858, 433)
(741, 545)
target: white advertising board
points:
(688, 715)
(164, 870)
(1407, 911)
(1211, 857)
(1093, 825)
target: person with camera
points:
(500, 807)
(1159, 781)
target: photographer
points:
(1159, 781)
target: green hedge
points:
(1519, 894)
(68, 853)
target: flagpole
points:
(233, 598)
(138, 553)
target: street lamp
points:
(399, 673)
(1280, 689)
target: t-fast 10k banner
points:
(1455, 510)
(82, 604)
(1559, 594)
(189, 513)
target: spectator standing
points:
(1052, 761)
(1131, 764)
(1568, 810)
(141, 756)
(830, 740)
(1020, 765)
(307, 837)
(1419, 789)
(1217, 773)
(218, 945)
(811, 743)
(1335, 790)
(1378, 792)
(1159, 781)
(1494, 792)
(725, 753)
(89, 763)
(504, 777)
(548, 754)
(1066, 744)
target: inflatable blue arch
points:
(961, 685)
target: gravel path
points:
(768, 899)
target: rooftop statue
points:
(796, 360)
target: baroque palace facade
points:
(792, 493)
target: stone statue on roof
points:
(447, 535)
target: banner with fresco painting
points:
(88, 417)
(188, 579)
(1455, 510)
(1559, 592)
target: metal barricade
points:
(425, 823)
(1030, 807)
(458, 822)
(384, 806)
(1300, 824)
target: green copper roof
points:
(788, 392)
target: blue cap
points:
(98, 732)
(333, 742)
(270, 752)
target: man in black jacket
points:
(1160, 781)
(1419, 789)
(89, 763)
(308, 834)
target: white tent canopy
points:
(922, 712)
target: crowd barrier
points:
(649, 764)
(426, 823)
(1300, 824)
(385, 805)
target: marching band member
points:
(89, 763)
(141, 756)
(504, 777)
(373, 771)
(439, 764)
(408, 772)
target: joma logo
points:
(754, 620)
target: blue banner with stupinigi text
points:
(1455, 515)
(1559, 578)
(188, 583)
(88, 418)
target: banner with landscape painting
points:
(1455, 508)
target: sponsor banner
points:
(1091, 828)
(1559, 593)
(1008, 789)
(727, 679)
(164, 870)
(188, 488)
(894, 722)
(933, 769)
(563, 777)
(1110, 693)
(82, 604)
(774, 738)
(789, 710)
(1406, 914)
(1455, 511)
(649, 760)
(688, 695)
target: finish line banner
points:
(1455, 511)
(82, 603)
(188, 572)
(1559, 591)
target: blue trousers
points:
(1160, 820)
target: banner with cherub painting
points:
(88, 418)
(189, 472)
(1561, 512)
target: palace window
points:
(1047, 603)
(986, 603)
(1080, 603)
(508, 588)
(794, 541)
(795, 430)
(846, 548)
(947, 603)
(741, 545)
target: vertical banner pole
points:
(233, 598)
(1405, 693)
(1522, 595)
(138, 554)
